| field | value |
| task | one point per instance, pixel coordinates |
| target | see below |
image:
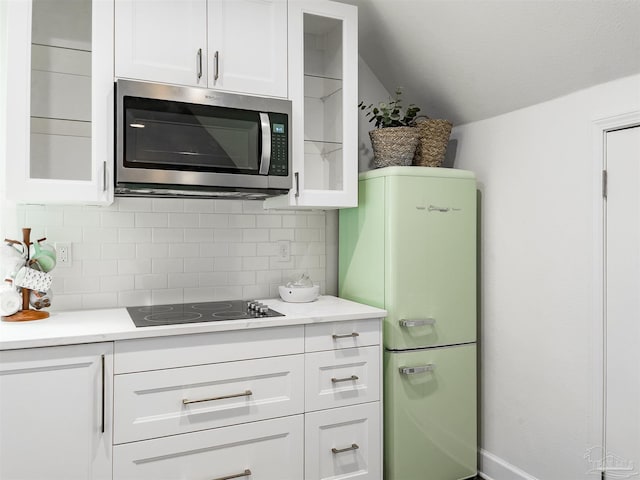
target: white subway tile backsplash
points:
(198, 264)
(99, 235)
(216, 220)
(255, 235)
(178, 220)
(116, 283)
(199, 205)
(228, 264)
(269, 221)
(167, 205)
(111, 219)
(149, 250)
(228, 206)
(118, 250)
(151, 281)
(142, 251)
(144, 219)
(134, 266)
(134, 235)
(167, 235)
(198, 235)
(255, 263)
(168, 265)
(222, 235)
(182, 280)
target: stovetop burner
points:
(148, 316)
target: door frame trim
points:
(600, 127)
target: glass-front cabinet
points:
(323, 85)
(59, 84)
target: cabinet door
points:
(267, 450)
(323, 86)
(248, 46)
(59, 135)
(55, 413)
(344, 443)
(161, 41)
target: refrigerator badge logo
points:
(435, 208)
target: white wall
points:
(540, 341)
(141, 251)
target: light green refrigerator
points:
(410, 248)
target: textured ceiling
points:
(467, 60)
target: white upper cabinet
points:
(248, 46)
(232, 45)
(59, 101)
(161, 41)
(323, 86)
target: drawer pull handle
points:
(354, 446)
(417, 323)
(234, 395)
(347, 335)
(346, 379)
(419, 369)
(246, 473)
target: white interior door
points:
(622, 276)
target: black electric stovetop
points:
(148, 316)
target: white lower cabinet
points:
(265, 450)
(55, 413)
(181, 400)
(343, 443)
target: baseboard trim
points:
(493, 467)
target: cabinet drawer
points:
(180, 400)
(185, 350)
(271, 449)
(344, 443)
(347, 334)
(342, 377)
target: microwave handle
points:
(265, 129)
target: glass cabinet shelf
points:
(321, 87)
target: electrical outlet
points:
(63, 254)
(284, 250)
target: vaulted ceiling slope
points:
(467, 60)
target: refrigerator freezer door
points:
(430, 413)
(430, 261)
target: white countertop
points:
(88, 326)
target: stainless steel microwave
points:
(188, 141)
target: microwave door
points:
(265, 157)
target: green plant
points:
(391, 114)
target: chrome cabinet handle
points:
(216, 66)
(417, 323)
(102, 368)
(246, 473)
(246, 393)
(418, 369)
(347, 335)
(265, 130)
(297, 177)
(104, 176)
(346, 379)
(354, 446)
(199, 63)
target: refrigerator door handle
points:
(417, 323)
(418, 369)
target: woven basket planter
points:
(393, 146)
(433, 141)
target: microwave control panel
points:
(279, 145)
